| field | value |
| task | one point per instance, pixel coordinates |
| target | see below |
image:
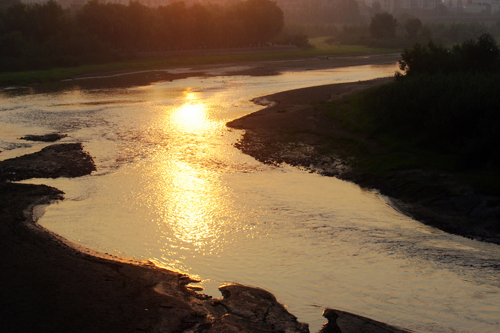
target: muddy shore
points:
(48, 284)
(256, 68)
(294, 129)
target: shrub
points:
(481, 55)
(454, 113)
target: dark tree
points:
(428, 59)
(8, 3)
(47, 20)
(481, 55)
(45, 35)
(413, 27)
(15, 18)
(141, 22)
(383, 25)
(269, 16)
(174, 21)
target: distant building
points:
(149, 3)
(473, 6)
(482, 6)
(393, 6)
(31, 2)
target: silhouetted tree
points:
(12, 45)
(428, 59)
(383, 25)
(480, 55)
(413, 26)
(8, 3)
(174, 21)
(268, 15)
(47, 20)
(44, 35)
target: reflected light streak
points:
(191, 117)
(191, 206)
(191, 201)
(193, 198)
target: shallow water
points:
(171, 188)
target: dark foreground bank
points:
(295, 129)
(50, 285)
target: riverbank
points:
(170, 68)
(294, 128)
(51, 285)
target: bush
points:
(482, 55)
(447, 101)
(453, 113)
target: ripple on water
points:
(172, 188)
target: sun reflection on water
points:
(193, 204)
(191, 191)
(192, 116)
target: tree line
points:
(45, 35)
(403, 30)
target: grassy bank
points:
(440, 124)
(56, 74)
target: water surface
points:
(171, 188)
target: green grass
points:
(56, 74)
(323, 48)
(389, 152)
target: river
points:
(171, 188)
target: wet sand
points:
(255, 68)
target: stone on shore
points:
(251, 309)
(61, 160)
(51, 137)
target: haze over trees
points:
(329, 12)
(44, 35)
(413, 27)
(403, 30)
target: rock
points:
(331, 326)
(345, 322)
(252, 309)
(61, 160)
(52, 137)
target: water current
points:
(171, 188)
